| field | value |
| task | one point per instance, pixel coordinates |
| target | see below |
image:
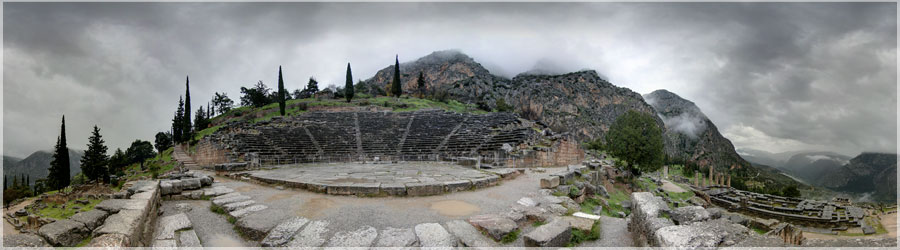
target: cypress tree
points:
(186, 132)
(420, 83)
(281, 102)
(348, 87)
(178, 122)
(59, 166)
(396, 89)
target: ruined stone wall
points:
(209, 153)
(563, 152)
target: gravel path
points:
(614, 234)
(212, 229)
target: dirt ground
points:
(9, 228)
(671, 187)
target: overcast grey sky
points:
(771, 76)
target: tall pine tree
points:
(94, 162)
(348, 87)
(281, 101)
(187, 133)
(396, 89)
(59, 166)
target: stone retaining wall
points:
(209, 154)
(132, 220)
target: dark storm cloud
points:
(772, 76)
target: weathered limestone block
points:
(91, 218)
(528, 202)
(554, 234)
(714, 233)
(394, 189)
(110, 240)
(247, 210)
(354, 189)
(646, 216)
(432, 235)
(313, 235)
(168, 187)
(223, 201)
(282, 233)
(191, 184)
(64, 232)
(456, 186)
(362, 237)
(169, 224)
(690, 214)
(255, 226)
(238, 205)
(23, 240)
(424, 189)
(537, 214)
(579, 223)
(468, 235)
(189, 238)
(397, 237)
(494, 225)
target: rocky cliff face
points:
(581, 102)
(690, 135)
(867, 173)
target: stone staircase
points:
(182, 157)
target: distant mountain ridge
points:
(581, 102)
(37, 165)
(874, 173)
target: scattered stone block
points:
(690, 214)
(23, 240)
(91, 219)
(468, 235)
(495, 225)
(537, 214)
(255, 226)
(169, 224)
(362, 237)
(189, 239)
(432, 235)
(313, 235)
(586, 216)
(579, 223)
(247, 210)
(557, 233)
(397, 237)
(110, 241)
(64, 232)
(528, 202)
(282, 233)
(223, 201)
(237, 205)
(550, 182)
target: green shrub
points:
(512, 236)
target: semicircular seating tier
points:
(365, 135)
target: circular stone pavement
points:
(396, 179)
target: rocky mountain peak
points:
(670, 104)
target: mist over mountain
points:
(874, 174)
(690, 135)
(37, 165)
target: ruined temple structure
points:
(493, 139)
(811, 213)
